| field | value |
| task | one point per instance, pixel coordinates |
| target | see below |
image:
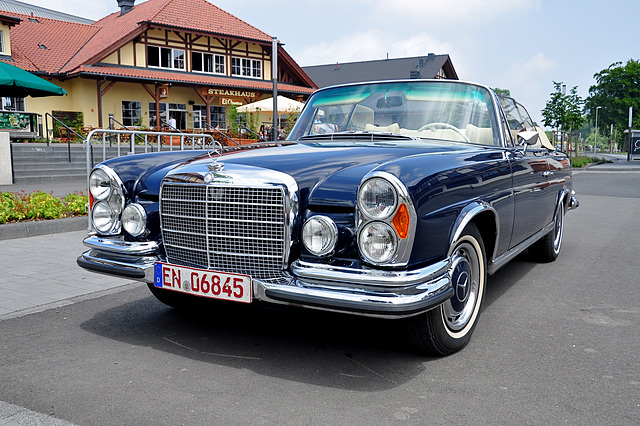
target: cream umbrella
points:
(266, 105)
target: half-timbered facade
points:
(182, 59)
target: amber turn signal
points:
(401, 221)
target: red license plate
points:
(202, 282)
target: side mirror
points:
(529, 137)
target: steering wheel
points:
(435, 126)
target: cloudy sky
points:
(520, 45)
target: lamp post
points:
(595, 140)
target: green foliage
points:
(502, 92)
(563, 110)
(232, 119)
(582, 161)
(39, 205)
(617, 89)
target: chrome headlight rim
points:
(115, 198)
(363, 240)
(328, 247)
(363, 190)
(136, 214)
(102, 210)
(94, 188)
(404, 244)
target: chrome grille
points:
(225, 228)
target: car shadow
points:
(314, 347)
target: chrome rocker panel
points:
(389, 294)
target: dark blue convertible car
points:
(391, 199)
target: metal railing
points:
(61, 124)
(154, 141)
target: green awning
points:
(19, 83)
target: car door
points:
(534, 198)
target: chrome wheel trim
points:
(467, 276)
(558, 228)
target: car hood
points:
(330, 175)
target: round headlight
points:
(103, 217)
(319, 235)
(377, 198)
(134, 219)
(100, 184)
(378, 242)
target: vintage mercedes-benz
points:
(390, 199)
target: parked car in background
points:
(390, 199)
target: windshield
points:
(437, 110)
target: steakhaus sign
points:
(208, 91)
(230, 96)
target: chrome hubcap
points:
(465, 278)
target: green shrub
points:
(18, 206)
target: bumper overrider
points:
(361, 291)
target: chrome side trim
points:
(507, 256)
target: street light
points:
(595, 140)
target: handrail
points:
(260, 138)
(113, 120)
(69, 129)
(223, 135)
(205, 138)
(176, 130)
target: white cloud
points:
(530, 82)
(441, 13)
(369, 45)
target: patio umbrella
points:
(19, 83)
(266, 105)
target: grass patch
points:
(583, 160)
(20, 206)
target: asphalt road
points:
(557, 344)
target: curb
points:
(10, 231)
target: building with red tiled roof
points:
(184, 58)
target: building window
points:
(218, 117)
(207, 62)
(2, 41)
(165, 57)
(12, 104)
(246, 67)
(131, 113)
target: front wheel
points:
(448, 328)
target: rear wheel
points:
(547, 248)
(448, 328)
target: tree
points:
(502, 92)
(617, 88)
(563, 111)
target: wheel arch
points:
(485, 218)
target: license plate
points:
(202, 282)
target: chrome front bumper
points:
(360, 291)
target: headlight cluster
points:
(108, 212)
(385, 220)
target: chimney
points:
(125, 6)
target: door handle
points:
(547, 173)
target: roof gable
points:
(115, 30)
(384, 69)
(40, 43)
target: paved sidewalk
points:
(40, 273)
